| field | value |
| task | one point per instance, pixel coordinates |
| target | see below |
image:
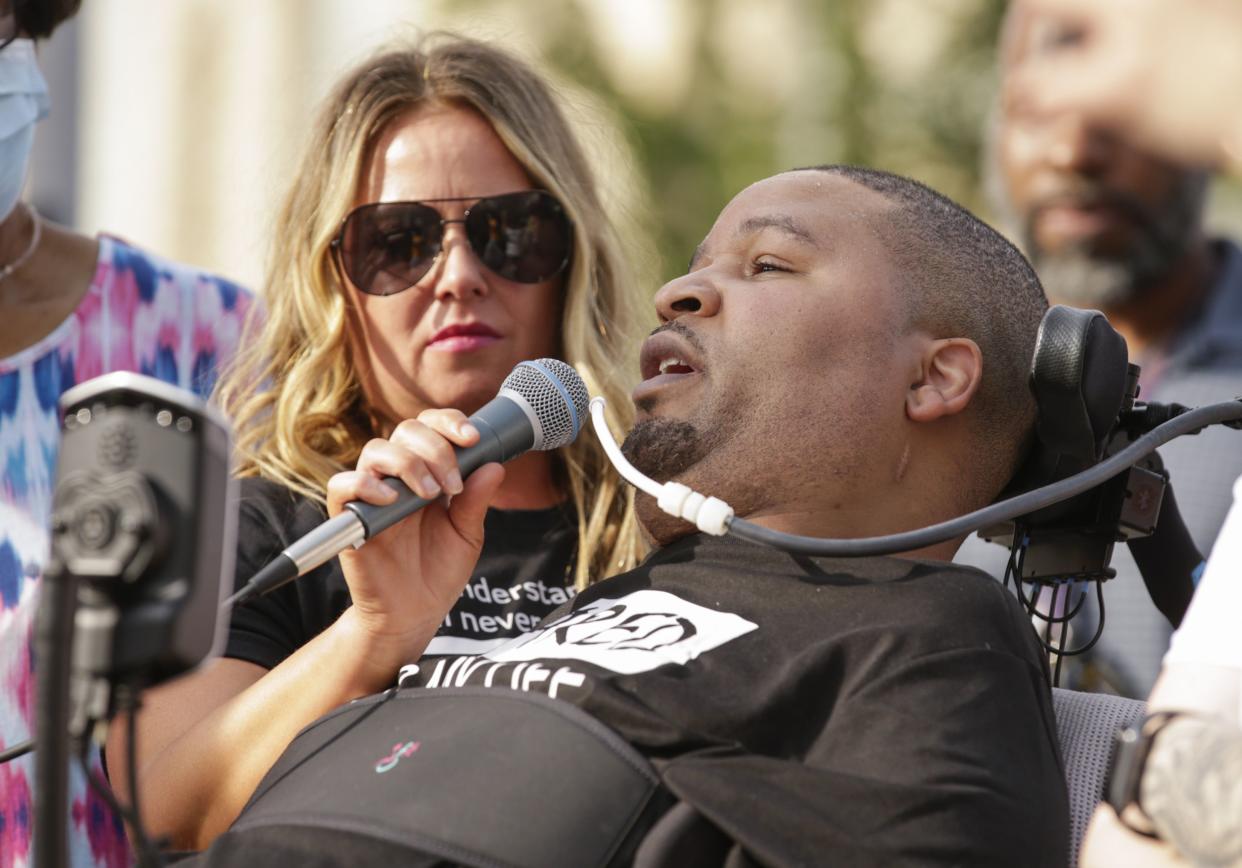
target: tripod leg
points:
(53, 637)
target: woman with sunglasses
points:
(444, 227)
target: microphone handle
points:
(505, 432)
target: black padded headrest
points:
(1078, 375)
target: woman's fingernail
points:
(430, 486)
(390, 493)
(465, 429)
(452, 482)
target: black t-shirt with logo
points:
(819, 711)
(524, 573)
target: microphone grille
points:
(557, 395)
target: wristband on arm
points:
(1131, 748)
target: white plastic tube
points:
(708, 514)
(628, 471)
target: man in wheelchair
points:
(847, 356)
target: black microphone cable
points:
(714, 516)
(14, 751)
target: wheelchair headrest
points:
(1079, 377)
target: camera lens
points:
(96, 525)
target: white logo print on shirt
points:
(630, 634)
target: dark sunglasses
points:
(387, 247)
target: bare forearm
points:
(1192, 789)
(196, 786)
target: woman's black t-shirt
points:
(524, 572)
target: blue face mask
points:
(23, 103)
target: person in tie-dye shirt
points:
(71, 308)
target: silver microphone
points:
(541, 405)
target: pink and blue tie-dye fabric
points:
(141, 314)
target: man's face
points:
(778, 378)
(1101, 220)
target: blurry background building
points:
(186, 118)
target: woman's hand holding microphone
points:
(405, 580)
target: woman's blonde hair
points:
(293, 395)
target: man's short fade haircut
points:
(964, 279)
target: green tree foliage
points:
(904, 85)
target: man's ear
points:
(949, 375)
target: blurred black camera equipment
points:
(143, 526)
